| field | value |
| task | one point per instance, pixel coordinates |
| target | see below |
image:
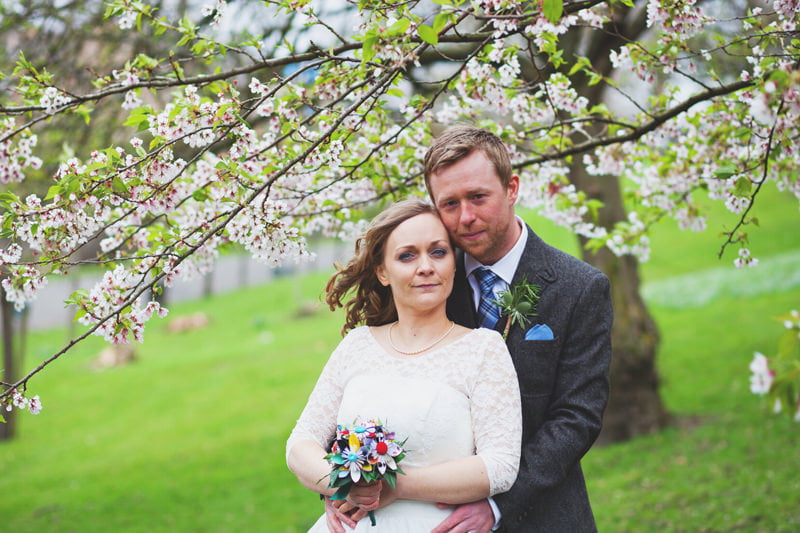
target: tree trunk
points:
(634, 404)
(7, 430)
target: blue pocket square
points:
(539, 332)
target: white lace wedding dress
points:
(458, 400)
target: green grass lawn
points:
(191, 436)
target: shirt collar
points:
(507, 265)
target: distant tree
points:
(309, 113)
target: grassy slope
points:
(727, 465)
(191, 436)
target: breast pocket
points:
(536, 363)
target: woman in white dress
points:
(450, 391)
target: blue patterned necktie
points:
(488, 311)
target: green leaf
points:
(726, 171)
(398, 27)
(441, 20)
(200, 195)
(118, 186)
(552, 9)
(7, 198)
(83, 111)
(428, 34)
(518, 303)
(157, 141)
(112, 155)
(368, 48)
(139, 118)
(787, 343)
(580, 64)
(742, 187)
(780, 77)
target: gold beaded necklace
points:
(428, 347)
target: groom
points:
(562, 356)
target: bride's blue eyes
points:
(436, 252)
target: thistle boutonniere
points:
(518, 303)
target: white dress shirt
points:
(504, 268)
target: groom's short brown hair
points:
(458, 142)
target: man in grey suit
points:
(562, 356)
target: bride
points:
(450, 391)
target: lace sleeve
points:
(496, 413)
(317, 422)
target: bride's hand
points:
(388, 494)
(340, 513)
(366, 496)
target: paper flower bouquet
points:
(363, 451)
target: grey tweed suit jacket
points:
(564, 385)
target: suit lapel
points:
(534, 266)
(534, 263)
(459, 304)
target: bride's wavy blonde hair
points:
(371, 303)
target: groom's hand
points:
(339, 513)
(475, 517)
(366, 496)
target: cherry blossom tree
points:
(258, 141)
